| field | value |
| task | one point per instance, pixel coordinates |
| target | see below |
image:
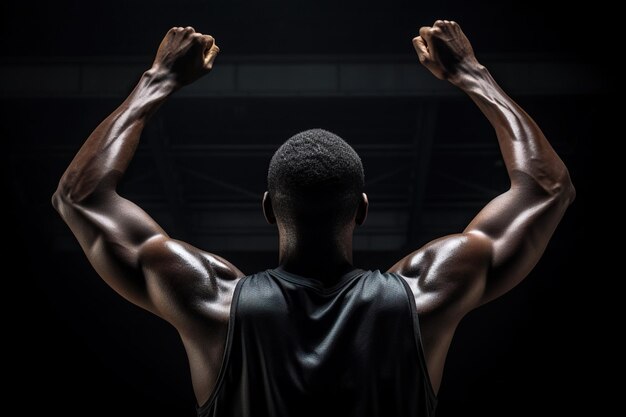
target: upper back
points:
(295, 347)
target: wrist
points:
(161, 79)
(468, 74)
(154, 87)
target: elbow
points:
(58, 200)
(62, 198)
(571, 196)
(562, 189)
(554, 183)
(74, 190)
(567, 191)
(69, 196)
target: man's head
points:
(315, 181)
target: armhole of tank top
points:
(418, 338)
(229, 341)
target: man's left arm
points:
(128, 249)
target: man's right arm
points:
(506, 239)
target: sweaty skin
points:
(192, 289)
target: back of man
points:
(316, 332)
(350, 349)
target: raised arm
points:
(123, 243)
(505, 240)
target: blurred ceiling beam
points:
(290, 76)
(156, 137)
(420, 164)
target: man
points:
(315, 335)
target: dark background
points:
(431, 162)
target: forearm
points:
(526, 152)
(104, 157)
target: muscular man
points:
(315, 335)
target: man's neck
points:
(318, 257)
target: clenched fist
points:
(445, 50)
(186, 54)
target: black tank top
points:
(297, 349)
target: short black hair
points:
(315, 176)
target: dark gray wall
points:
(431, 162)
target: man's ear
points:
(268, 210)
(361, 211)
